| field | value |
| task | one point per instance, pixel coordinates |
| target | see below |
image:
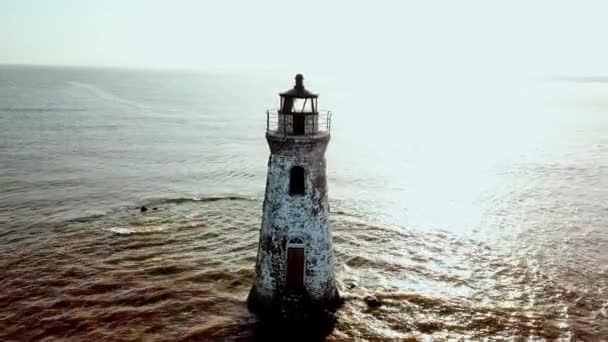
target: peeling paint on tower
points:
(295, 262)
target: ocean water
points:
(472, 208)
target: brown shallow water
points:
(182, 272)
(472, 209)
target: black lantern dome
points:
(298, 99)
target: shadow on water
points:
(252, 329)
(280, 330)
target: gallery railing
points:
(287, 123)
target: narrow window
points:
(296, 181)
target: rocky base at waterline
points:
(294, 319)
(295, 308)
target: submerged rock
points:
(372, 301)
(350, 284)
(143, 209)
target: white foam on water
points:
(131, 231)
(104, 95)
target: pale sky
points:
(544, 37)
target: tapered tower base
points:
(293, 307)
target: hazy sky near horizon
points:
(545, 38)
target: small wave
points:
(166, 270)
(89, 215)
(180, 200)
(40, 109)
(104, 95)
(346, 214)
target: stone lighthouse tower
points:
(295, 263)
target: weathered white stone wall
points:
(287, 216)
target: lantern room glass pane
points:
(302, 106)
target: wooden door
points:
(299, 124)
(295, 268)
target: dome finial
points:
(299, 81)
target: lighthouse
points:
(295, 263)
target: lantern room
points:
(298, 113)
(298, 99)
